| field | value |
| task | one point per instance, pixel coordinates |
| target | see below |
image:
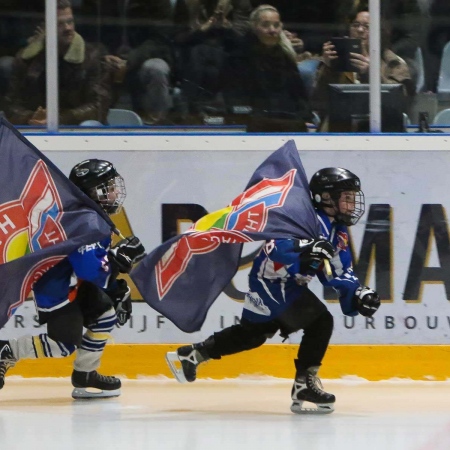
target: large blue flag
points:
(43, 217)
(184, 276)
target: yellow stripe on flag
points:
(206, 222)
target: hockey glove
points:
(312, 254)
(120, 296)
(366, 301)
(125, 253)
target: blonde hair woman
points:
(261, 75)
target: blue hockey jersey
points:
(58, 287)
(275, 279)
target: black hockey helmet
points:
(334, 181)
(100, 180)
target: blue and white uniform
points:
(275, 280)
(58, 287)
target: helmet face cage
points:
(110, 194)
(335, 181)
(349, 218)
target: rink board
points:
(380, 362)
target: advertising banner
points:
(401, 246)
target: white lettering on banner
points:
(252, 225)
(8, 223)
(52, 237)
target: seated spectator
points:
(261, 78)
(212, 25)
(151, 72)
(148, 74)
(121, 25)
(394, 69)
(84, 88)
(18, 19)
(197, 13)
(437, 37)
(141, 59)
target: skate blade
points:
(177, 371)
(89, 393)
(320, 408)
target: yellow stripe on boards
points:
(376, 362)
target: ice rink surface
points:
(248, 414)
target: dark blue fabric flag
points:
(43, 217)
(184, 276)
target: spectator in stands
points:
(438, 35)
(394, 69)
(142, 58)
(151, 76)
(211, 26)
(197, 13)
(18, 19)
(403, 23)
(121, 25)
(261, 77)
(84, 89)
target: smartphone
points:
(345, 46)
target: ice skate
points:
(7, 360)
(308, 388)
(183, 363)
(94, 385)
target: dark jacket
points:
(265, 79)
(134, 9)
(84, 84)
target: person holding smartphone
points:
(394, 70)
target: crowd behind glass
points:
(257, 66)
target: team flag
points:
(43, 217)
(184, 276)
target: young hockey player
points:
(82, 291)
(279, 299)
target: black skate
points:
(7, 360)
(188, 357)
(94, 385)
(308, 388)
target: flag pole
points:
(327, 267)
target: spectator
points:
(393, 68)
(84, 88)
(211, 26)
(142, 59)
(438, 35)
(261, 76)
(404, 23)
(197, 13)
(123, 24)
(17, 22)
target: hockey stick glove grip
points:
(125, 253)
(312, 254)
